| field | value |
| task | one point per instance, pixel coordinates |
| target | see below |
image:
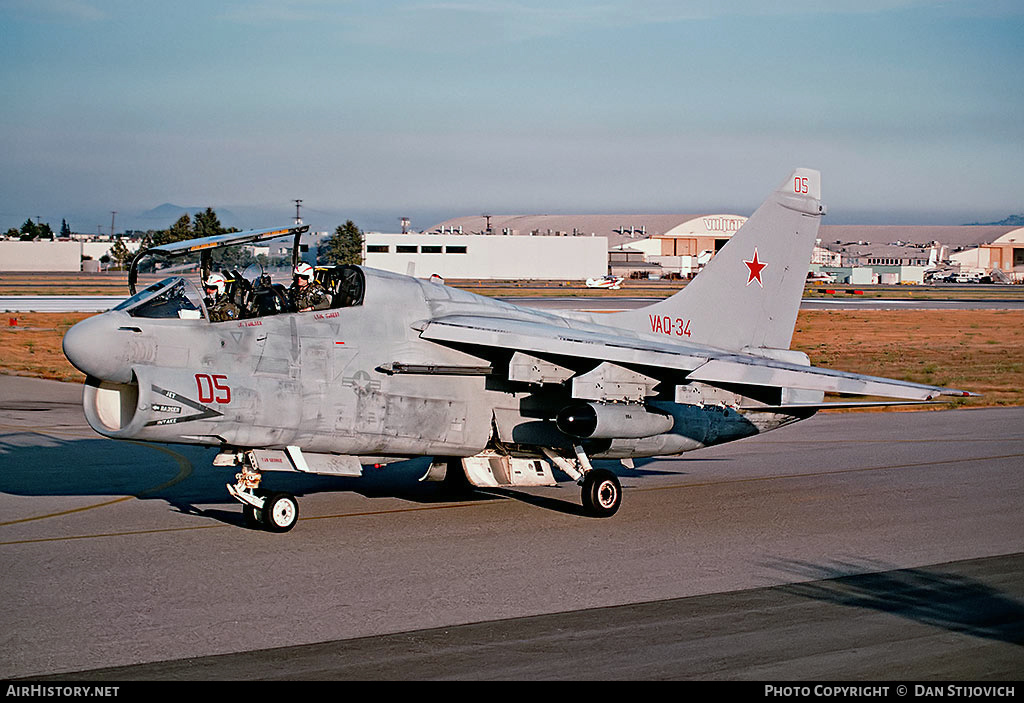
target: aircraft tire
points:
(280, 512)
(602, 493)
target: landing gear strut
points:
(600, 490)
(276, 512)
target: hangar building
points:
(658, 245)
(898, 249)
(652, 245)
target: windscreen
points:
(170, 298)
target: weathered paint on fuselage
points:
(317, 380)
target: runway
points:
(854, 546)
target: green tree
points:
(345, 246)
(207, 224)
(178, 232)
(120, 254)
(30, 231)
(65, 231)
(202, 224)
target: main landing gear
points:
(601, 493)
(600, 490)
(276, 512)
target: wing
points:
(657, 356)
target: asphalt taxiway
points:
(850, 546)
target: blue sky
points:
(912, 110)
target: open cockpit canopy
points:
(205, 245)
(252, 293)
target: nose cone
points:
(91, 346)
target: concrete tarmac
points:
(855, 546)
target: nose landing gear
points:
(275, 512)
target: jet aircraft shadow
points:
(947, 600)
(183, 475)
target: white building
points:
(42, 255)
(488, 256)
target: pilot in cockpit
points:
(219, 306)
(305, 293)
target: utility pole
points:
(298, 216)
(113, 213)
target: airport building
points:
(649, 246)
(656, 246)
(577, 247)
(902, 254)
(487, 257)
(45, 255)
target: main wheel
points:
(602, 493)
(280, 512)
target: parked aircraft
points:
(612, 282)
(497, 394)
(820, 277)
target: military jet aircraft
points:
(497, 394)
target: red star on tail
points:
(755, 268)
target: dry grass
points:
(976, 350)
(32, 347)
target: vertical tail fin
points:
(749, 293)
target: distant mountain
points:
(1011, 221)
(167, 214)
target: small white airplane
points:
(820, 277)
(610, 282)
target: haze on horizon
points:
(433, 109)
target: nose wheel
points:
(280, 512)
